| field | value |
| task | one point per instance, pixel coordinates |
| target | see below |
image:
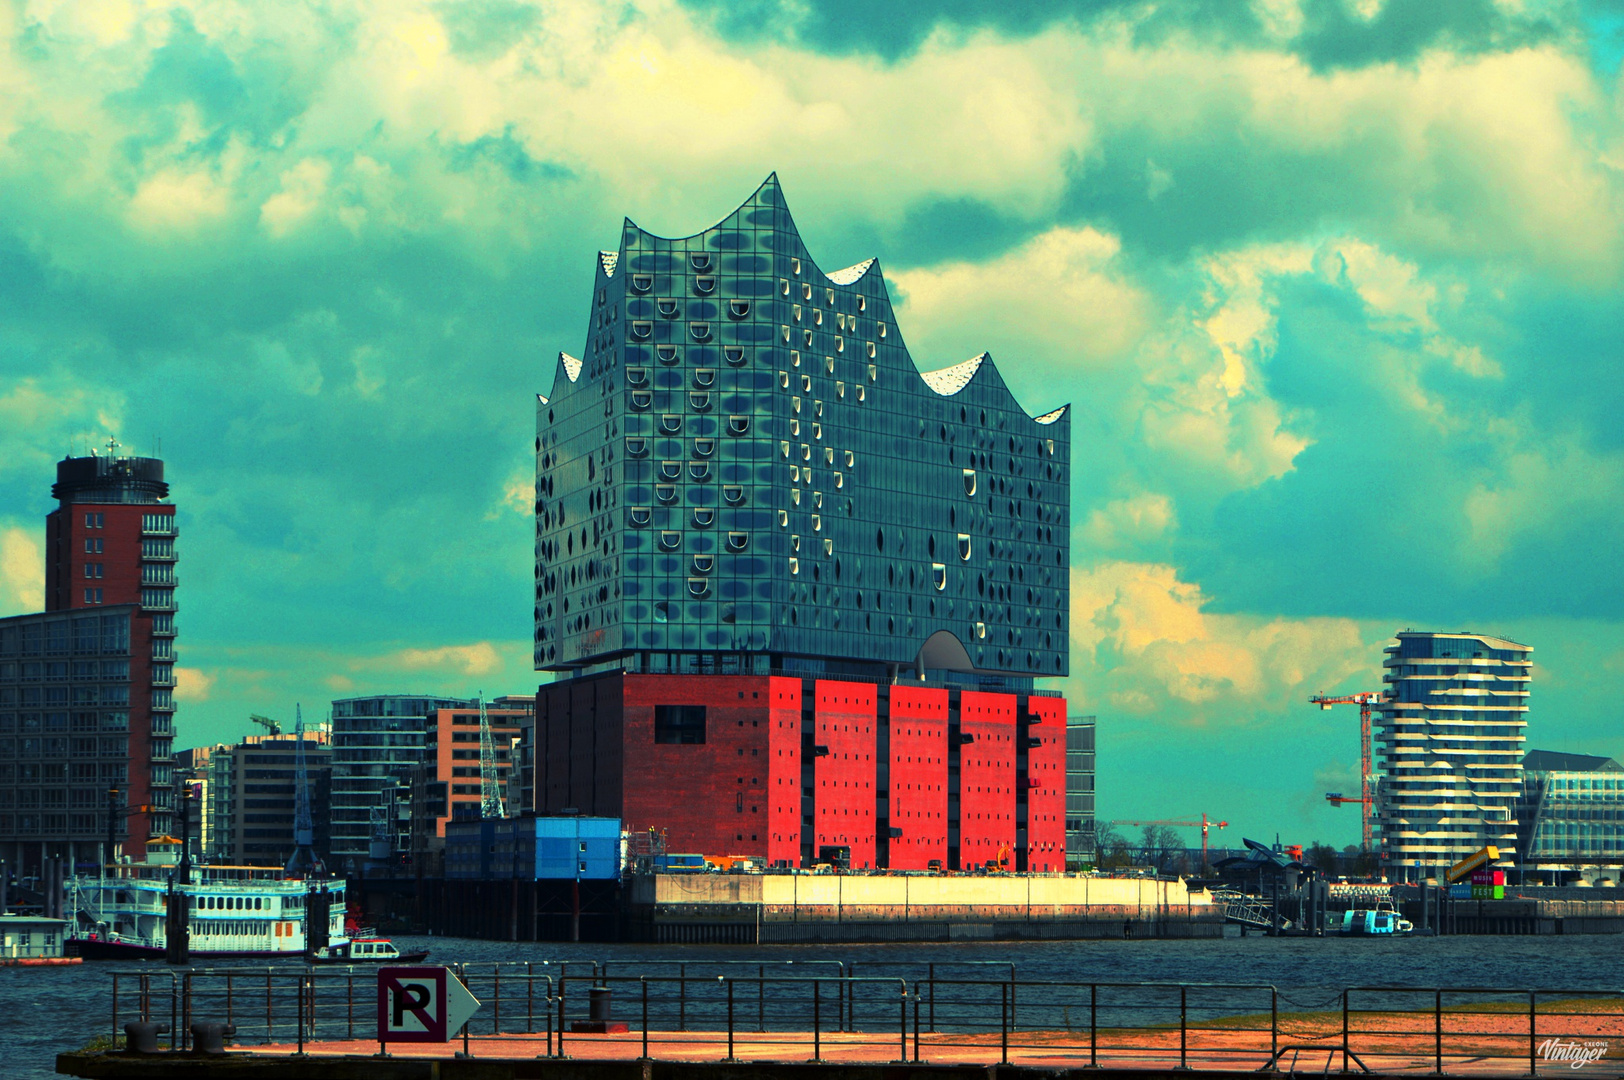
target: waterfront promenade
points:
(594, 1022)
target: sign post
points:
(421, 1004)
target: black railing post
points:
(229, 997)
(817, 1025)
(1438, 1030)
(349, 1005)
(644, 981)
(299, 1011)
(761, 997)
(930, 971)
(916, 1020)
(1533, 1068)
(496, 999)
(1344, 1031)
(730, 1056)
(563, 977)
(1274, 1026)
(902, 1028)
(1184, 1027)
(1093, 1025)
(1003, 1024)
(682, 997)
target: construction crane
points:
(1204, 824)
(1366, 701)
(272, 727)
(491, 803)
(304, 862)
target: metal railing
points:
(896, 1011)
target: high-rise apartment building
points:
(86, 687)
(377, 742)
(448, 783)
(253, 788)
(1449, 743)
(799, 591)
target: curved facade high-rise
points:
(746, 471)
(1450, 741)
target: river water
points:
(44, 1011)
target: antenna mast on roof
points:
(490, 792)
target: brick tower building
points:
(797, 592)
(86, 687)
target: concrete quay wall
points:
(860, 908)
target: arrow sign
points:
(421, 1004)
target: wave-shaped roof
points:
(950, 380)
(851, 274)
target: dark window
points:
(679, 723)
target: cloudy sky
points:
(1333, 285)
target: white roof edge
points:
(608, 260)
(1051, 417)
(541, 398)
(950, 380)
(851, 274)
(572, 366)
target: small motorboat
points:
(366, 950)
(1361, 922)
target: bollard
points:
(141, 1036)
(209, 1036)
(598, 1003)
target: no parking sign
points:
(421, 1004)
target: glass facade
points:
(745, 467)
(1572, 817)
(1449, 745)
(377, 742)
(66, 681)
(1080, 836)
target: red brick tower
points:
(111, 540)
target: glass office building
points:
(1572, 818)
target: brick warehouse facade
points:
(779, 767)
(796, 591)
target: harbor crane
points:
(272, 727)
(491, 802)
(1204, 824)
(304, 862)
(1366, 700)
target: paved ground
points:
(1494, 1053)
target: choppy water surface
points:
(47, 1010)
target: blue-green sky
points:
(1333, 285)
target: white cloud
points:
(192, 685)
(22, 571)
(1142, 643)
(1131, 520)
(480, 658)
(1060, 296)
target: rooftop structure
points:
(744, 471)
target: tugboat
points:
(366, 948)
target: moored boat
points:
(233, 912)
(366, 950)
